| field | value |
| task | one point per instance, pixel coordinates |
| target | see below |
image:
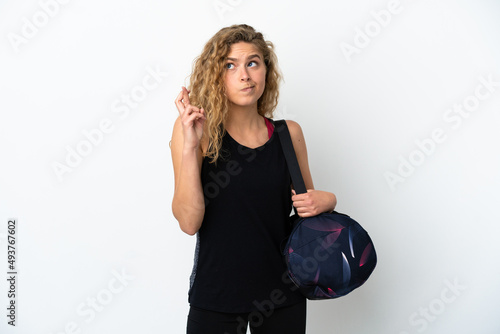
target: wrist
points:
(189, 150)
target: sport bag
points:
(329, 255)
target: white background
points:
(362, 114)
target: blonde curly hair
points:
(207, 81)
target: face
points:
(245, 76)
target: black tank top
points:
(238, 265)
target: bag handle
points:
(291, 159)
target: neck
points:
(243, 119)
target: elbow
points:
(334, 202)
(189, 223)
(188, 230)
(189, 227)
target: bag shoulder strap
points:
(291, 159)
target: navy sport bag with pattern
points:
(329, 255)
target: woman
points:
(232, 189)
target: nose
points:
(244, 74)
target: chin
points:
(244, 103)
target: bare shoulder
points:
(177, 125)
(177, 136)
(299, 145)
(295, 132)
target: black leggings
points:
(285, 320)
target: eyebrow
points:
(249, 57)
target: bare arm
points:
(314, 201)
(188, 204)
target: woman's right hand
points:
(192, 120)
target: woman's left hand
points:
(313, 202)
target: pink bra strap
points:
(270, 127)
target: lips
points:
(247, 89)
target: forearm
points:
(332, 201)
(188, 204)
(325, 201)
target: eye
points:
(253, 62)
(229, 66)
